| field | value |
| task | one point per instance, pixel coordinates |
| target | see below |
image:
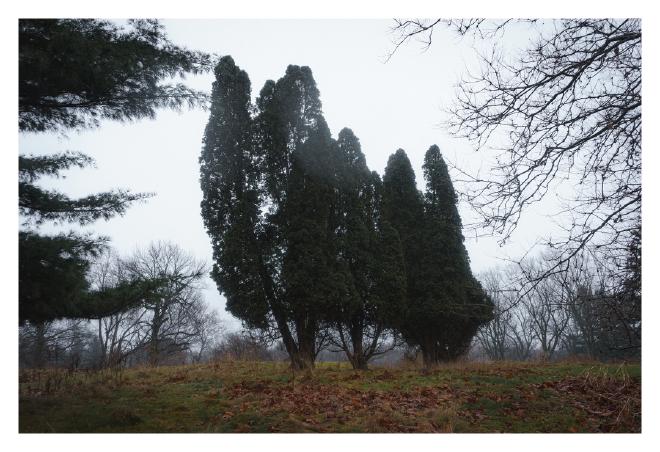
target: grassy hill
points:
(268, 397)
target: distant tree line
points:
(172, 323)
(311, 247)
(581, 313)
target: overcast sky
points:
(389, 105)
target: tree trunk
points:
(306, 349)
(40, 346)
(358, 359)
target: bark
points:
(40, 346)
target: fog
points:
(389, 104)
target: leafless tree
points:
(58, 343)
(118, 334)
(546, 308)
(565, 110)
(374, 341)
(209, 329)
(522, 336)
(171, 322)
(242, 346)
(495, 336)
(510, 335)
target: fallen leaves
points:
(312, 404)
(267, 397)
(608, 404)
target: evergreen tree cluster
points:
(309, 244)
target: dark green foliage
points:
(53, 280)
(370, 257)
(310, 280)
(52, 274)
(72, 74)
(306, 237)
(75, 72)
(53, 269)
(268, 190)
(229, 184)
(38, 205)
(446, 304)
(403, 209)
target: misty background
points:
(389, 103)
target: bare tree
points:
(510, 335)
(546, 308)
(170, 324)
(362, 346)
(495, 336)
(209, 328)
(118, 334)
(565, 110)
(58, 343)
(242, 346)
(522, 336)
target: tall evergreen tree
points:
(229, 183)
(449, 293)
(268, 195)
(403, 209)
(369, 257)
(446, 304)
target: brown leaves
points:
(313, 404)
(608, 403)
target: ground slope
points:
(268, 397)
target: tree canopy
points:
(446, 304)
(61, 90)
(564, 110)
(75, 72)
(309, 245)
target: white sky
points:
(389, 105)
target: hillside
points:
(268, 397)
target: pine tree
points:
(60, 90)
(53, 269)
(75, 72)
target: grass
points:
(268, 397)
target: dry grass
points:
(269, 397)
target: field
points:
(268, 397)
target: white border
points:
(328, 9)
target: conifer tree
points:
(268, 186)
(229, 181)
(75, 72)
(59, 90)
(446, 304)
(450, 295)
(370, 257)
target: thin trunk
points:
(40, 346)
